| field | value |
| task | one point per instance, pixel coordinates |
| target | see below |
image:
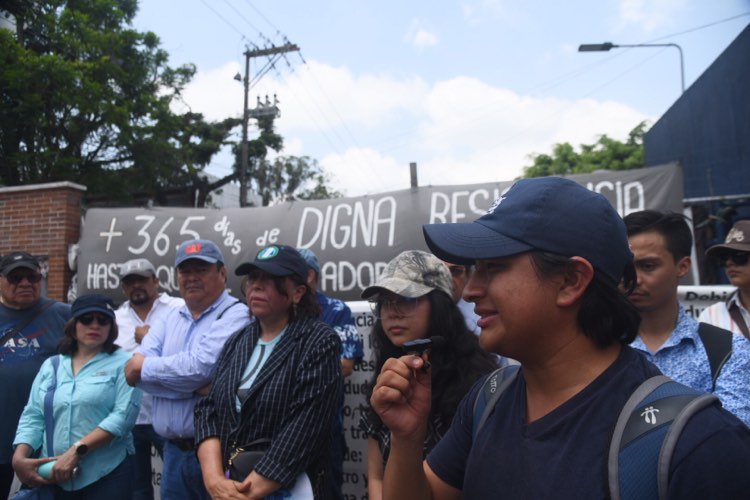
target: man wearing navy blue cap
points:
(31, 326)
(176, 360)
(549, 255)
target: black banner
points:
(354, 237)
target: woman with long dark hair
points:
(94, 412)
(412, 300)
(266, 421)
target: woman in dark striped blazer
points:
(278, 379)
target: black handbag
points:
(243, 459)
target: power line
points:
(332, 105)
(564, 78)
(278, 31)
(732, 18)
(223, 18)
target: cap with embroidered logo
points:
(137, 267)
(205, 250)
(551, 214)
(738, 239)
(276, 260)
(14, 260)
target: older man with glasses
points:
(30, 329)
(734, 253)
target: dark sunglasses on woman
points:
(739, 258)
(87, 319)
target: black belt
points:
(185, 444)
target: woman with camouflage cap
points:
(412, 300)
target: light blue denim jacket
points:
(98, 396)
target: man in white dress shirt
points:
(145, 306)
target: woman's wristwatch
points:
(81, 448)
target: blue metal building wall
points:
(707, 130)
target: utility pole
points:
(270, 51)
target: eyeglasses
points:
(15, 279)
(102, 320)
(739, 258)
(401, 306)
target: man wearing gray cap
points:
(145, 306)
(176, 361)
(30, 329)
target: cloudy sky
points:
(468, 90)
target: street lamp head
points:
(238, 77)
(596, 47)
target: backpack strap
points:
(673, 434)
(736, 315)
(228, 308)
(49, 418)
(13, 331)
(493, 387)
(647, 430)
(718, 344)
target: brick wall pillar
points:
(43, 219)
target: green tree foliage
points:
(86, 98)
(76, 85)
(286, 177)
(293, 178)
(604, 154)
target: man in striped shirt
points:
(734, 255)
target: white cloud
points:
(419, 36)
(360, 171)
(318, 96)
(216, 93)
(423, 38)
(365, 129)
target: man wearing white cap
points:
(145, 306)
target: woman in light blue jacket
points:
(94, 412)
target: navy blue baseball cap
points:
(205, 250)
(93, 302)
(18, 259)
(551, 214)
(276, 260)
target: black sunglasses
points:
(87, 319)
(15, 279)
(739, 258)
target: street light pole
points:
(606, 46)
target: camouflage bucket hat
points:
(412, 274)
